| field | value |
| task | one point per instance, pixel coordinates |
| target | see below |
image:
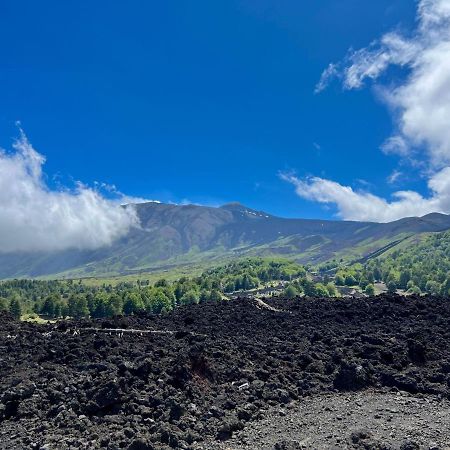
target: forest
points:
(73, 298)
(418, 268)
(422, 266)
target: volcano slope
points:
(206, 374)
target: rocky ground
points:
(237, 374)
(366, 419)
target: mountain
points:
(174, 235)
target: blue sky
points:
(204, 101)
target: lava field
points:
(203, 372)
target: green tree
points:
(414, 290)
(405, 276)
(81, 308)
(393, 276)
(369, 276)
(377, 275)
(3, 304)
(215, 284)
(49, 306)
(72, 305)
(15, 308)
(445, 288)
(290, 291)
(64, 310)
(433, 287)
(230, 286)
(99, 305)
(391, 287)
(190, 298)
(133, 303)
(263, 275)
(90, 302)
(370, 289)
(162, 283)
(160, 301)
(57, 311)
(204, 295)
(180, 290)
(332, 291)
(321, 290)
(115, 305)
(309, 288)
(363, 282)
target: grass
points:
(35, 318)
(172, 274)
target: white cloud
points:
(373, 61)
(421, 109)
(394, 176)
(35, 218)
(328, 74)
(395, 145)
(364, 206)
(124, 198)
(421, 103)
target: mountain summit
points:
(240, 208)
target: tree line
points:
(423, 266)
(70, 298)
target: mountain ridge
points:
(184, 234)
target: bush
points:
(339, 280)
(321, 290)
(370, 289)
(290, 292)
(332, 291)
(414, 290)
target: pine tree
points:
(81, 308)
(15, 308)
(49, 306)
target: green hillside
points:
(173, 236)
(419, 264)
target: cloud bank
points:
(363, 206)
(421, 110)
(35, 218)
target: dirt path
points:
(364, 420)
